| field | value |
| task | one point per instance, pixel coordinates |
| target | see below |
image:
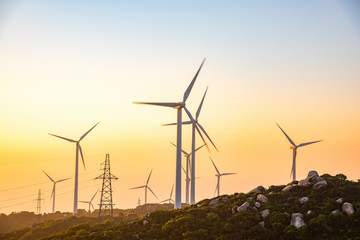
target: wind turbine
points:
(78, 148)
(53, 191)
(195, 123)
(218, 175)
(146, 186)
(90, 202)
(170, 198)
(294, 147)
(187, 156)
(179, 106)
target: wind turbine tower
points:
(53, 191)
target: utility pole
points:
(106, 204)
(38, 201)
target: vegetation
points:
(202, 221)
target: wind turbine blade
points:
(52, 193)
(172, 124)
(217, 186)
(88, 132)
(48, 176)
(202, 129)
(67, 139)
(165, 200)
(200, 106)
(304, 144)
(181, 149)
(183, 169)
(196, 127)
(286, 135)
(163, 104)
(199, 148)
(152, 192)
(84, 201)
(171, 191)
(136, 187)
(214, 166)
(82, 157)
(94, 196)
(62, 180)
(147, 182)
(228, 174)
(188, 90)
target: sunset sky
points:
(65, 65)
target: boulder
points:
(320, 185)
(254, 209)
(287, 188)
(335, 211)
(303, 200)
(348, 208)
(234, 209)
(243, 207)
(262, 224)
(214, 202)
(339, 200)
(257, 204)
(313, 174)
(311, 179)
(297, 220)
(145, 222)
(265, 213)
(308, 212)
(258, 189)
(262, 198)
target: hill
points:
(325, 207)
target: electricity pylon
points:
(38, 200)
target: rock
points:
(320, 185)
(262, 198)
(243, 207)
(313, 174)
(339, 200)
(348, 208)
(287, 188)
(265, 213)
(250, 198)
(297, 220)
(145, 222)
(254, 209)
(257, 204)
(308, 212)
(262, 224)
(258, 189)
(224, 199)
(199, 205)
(311, 179)
(148, 214)
(303, 200)
(234, 209)
(214, 202)
(335, 211)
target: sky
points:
(65, 65)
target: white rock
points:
(243, 207)
(340, 200)
(257, 204)
(262, 224)
(313, 174)
(262, 198)
(308, 212)
(214, 202)
(303, 200)
(265, 213)
(145, 222)
(234, 209)
(297, 220)
(287, 188)
(320, 185)
(335, 211)
(348, 208)
(258, 189)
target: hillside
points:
(325, 207)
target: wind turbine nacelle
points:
(181, 105)
(292, 147)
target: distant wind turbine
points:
(78, 148)
(218, 175)
(53, 191)
(179, 106)
(195, 123)
(146, 186)
(187, 179)
(294, 147)
(90, 202)
(170, 198)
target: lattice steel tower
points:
(106, 205)
(38, 202)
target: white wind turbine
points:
(170, 198)
(187, 179)
(294, 147)
(218, 175)
(78, 148)
(179, 106)
(90, 202)
(195, 123)
(146, 186)
(53, 191)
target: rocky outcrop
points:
(265, 213)
(258, 189)
(303, 200)
(348, 208)
(320, 185)
(243, 207)
(297, 220)
(262, 198)
(214, 202)
(287, 188)
(311, 179)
